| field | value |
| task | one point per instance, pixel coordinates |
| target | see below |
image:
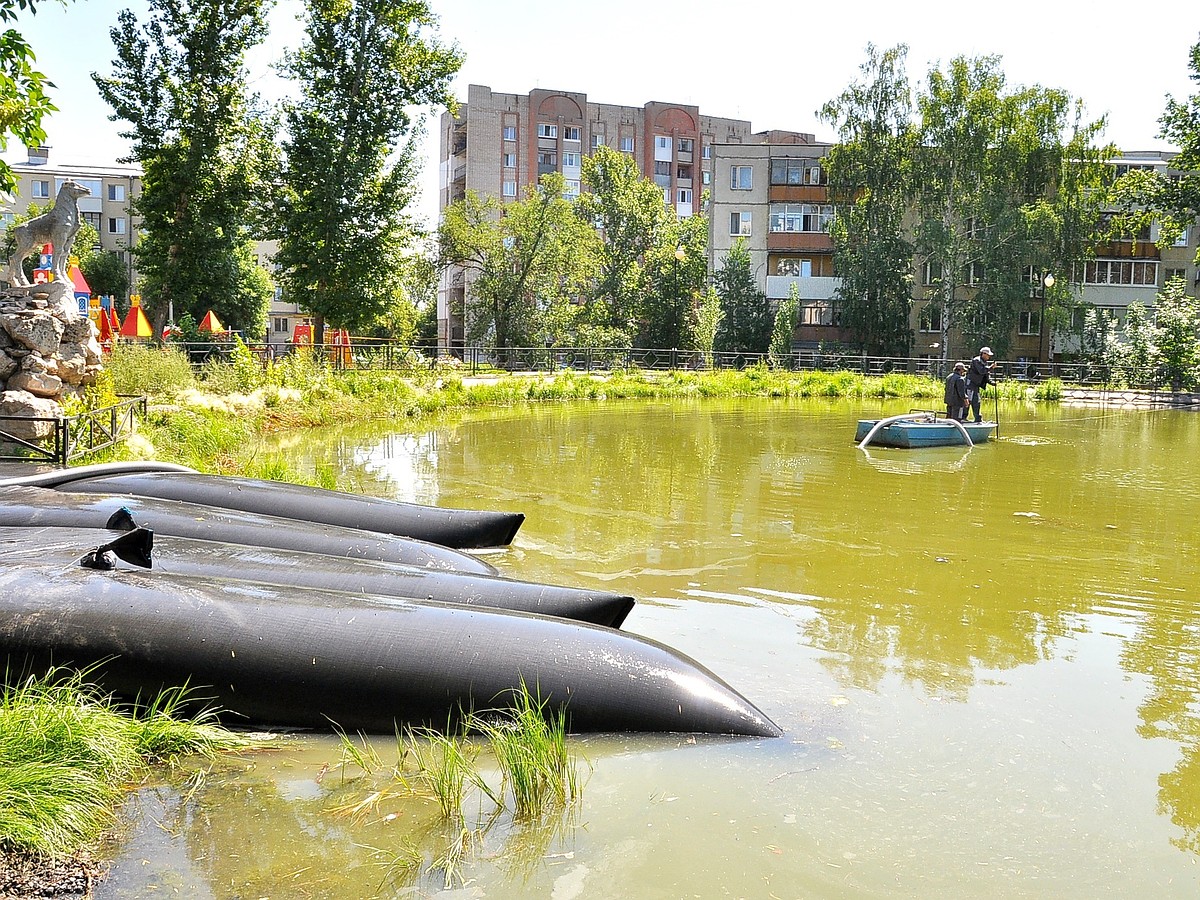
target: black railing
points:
(58, 440)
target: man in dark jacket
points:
(977, 379)
(956, 394)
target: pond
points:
(986, 664)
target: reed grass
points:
(67, 750)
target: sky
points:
(772, 62)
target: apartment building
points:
(770, 191)
(499, 144)
(106, 208)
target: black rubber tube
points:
(459, 528)
(296, 658)
(31, 506)
(182, 558)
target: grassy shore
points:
(67, 754)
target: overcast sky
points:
(773, 62)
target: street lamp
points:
(1047, 283)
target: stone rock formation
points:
(48, 350)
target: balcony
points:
(814, 288)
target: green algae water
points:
(986, 664)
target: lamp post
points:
(1047, 283)
(680, 254)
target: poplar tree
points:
(746, 313)
(204, 148)
(350, 167)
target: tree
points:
(205, 152)
(1171, 199)
(676, 266)
(628, 211)
(1007, 186)
(1177, 336)
(869, 172)
(343, 220)
(23, 98)
(527, 267)
(781, 332)
(745, 311)
(706, 321)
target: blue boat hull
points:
(923, 433)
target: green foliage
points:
(1007, 181)
(780, 350)
(350, 168)
(526, 267)
(1177, 333)
(676, 268)
(870, 183)
(23, 98)
(746, 313)
(1050, 390)
(706, 324)
(106, 273)
(137, 368)
(628, 211)
(206, 153)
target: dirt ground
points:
(25, 876)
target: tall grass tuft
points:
(142, 369)
(1050, 389)
(530, 745)
(66, 751)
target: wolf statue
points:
(57, 226)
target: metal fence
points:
(59, 440)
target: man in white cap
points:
(977, 379)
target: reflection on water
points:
(987, 664)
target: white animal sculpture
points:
(57, 226)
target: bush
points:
(145, 369)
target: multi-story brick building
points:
(499, 144)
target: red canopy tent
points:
(211, 323)
(136, 325)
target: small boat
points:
(921, 429)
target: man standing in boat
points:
(956, 394)
(977, 379)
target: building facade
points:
(499, 144)
(770, 191)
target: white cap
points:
(987, 350)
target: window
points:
(627, 145)
(794, 171)
(548, 158)
(662, 167)
(571, 160)
(1172, 274)
(706, 177)
(819, 313)
(116, 226)
(685, 196)
(741, 178)
(685, 145)
(706, 151)
(547, 131)
(801, 217)
(814, 175)
(41, 190)
(570, 133)
(1030, 322)
(597, 141)
(739, 223)
(571, 188)
(973, 273)
(508, 189)
(1120, 271)
(509, 160)
(279, 325)
(509, 132)
(7, 218)
(930, 319)
(662, 143)
(684, 173)
(92, 218)
(932, 274)
(116, 192)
